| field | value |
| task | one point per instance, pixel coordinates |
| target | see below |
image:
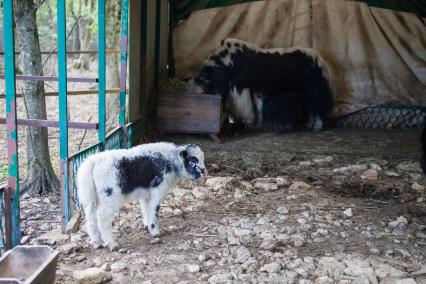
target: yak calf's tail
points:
(86, 189)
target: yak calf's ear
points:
(184, 154)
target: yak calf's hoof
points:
(112, 245)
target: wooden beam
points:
(72, 93)
(135, 33)
(53, 123)
(52, 78)
(72, 52)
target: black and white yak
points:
(270, 88)
(144, 173)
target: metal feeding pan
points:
(28, 264)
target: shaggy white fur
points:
(144, 173)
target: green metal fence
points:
(2, 224)
(119, 138)
(10, 213)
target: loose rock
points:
(92, 275)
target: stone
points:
(199, 193)
(106, 267)
(155, 241)
(392, 174)
(214, 167)
(386, 271)
(118, 266)
(202, 257)
(54, 236)
(421, 271)
(25, 239)
(69, 248)
(191, 268)
(273, 267)
(299, 185)
(323, 280)
(361, 279)
(370, 175)
(92, 275)
(265, 186)
(241, 232)
(331, 267)
(398, 281)
(323, 160)
(399, 225)
(374, 251)
(350, 169)
(221, 278)
(242, 255)
(219, 182)
(74, 223)
(418, 188)
(282, 210)
(348, 213)
(263, 220)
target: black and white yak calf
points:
(272, 88)
(144, 173)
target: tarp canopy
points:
(377, 48)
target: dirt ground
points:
(274, 209)
(338, 206)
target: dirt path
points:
(275, 209)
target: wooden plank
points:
(52, 78)
(189, 101)
(195, 113)
(186, 125)
(135, 33)
(109, 51)
(53, 123)
(72, 93)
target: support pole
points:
(13, 231)
(63, 117)
(123, 61)
(101, 72)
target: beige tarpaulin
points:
(379, 55)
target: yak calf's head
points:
(193, 161)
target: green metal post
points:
(101, 71)
(13, 231)
(63, 117)
(123, 61)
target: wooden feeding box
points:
(189, 113)
(29, 264)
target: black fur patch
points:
(223, 53)
(108, 191)
(152, 226)
(142, 171)
(292, 85)
(191, 164)
(156, 210)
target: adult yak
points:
(270, 88)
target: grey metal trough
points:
(35, 264)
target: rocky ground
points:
(340, 206)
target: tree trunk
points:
(76, 32)
(113, 27)
(40, 175)
(84, 30)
